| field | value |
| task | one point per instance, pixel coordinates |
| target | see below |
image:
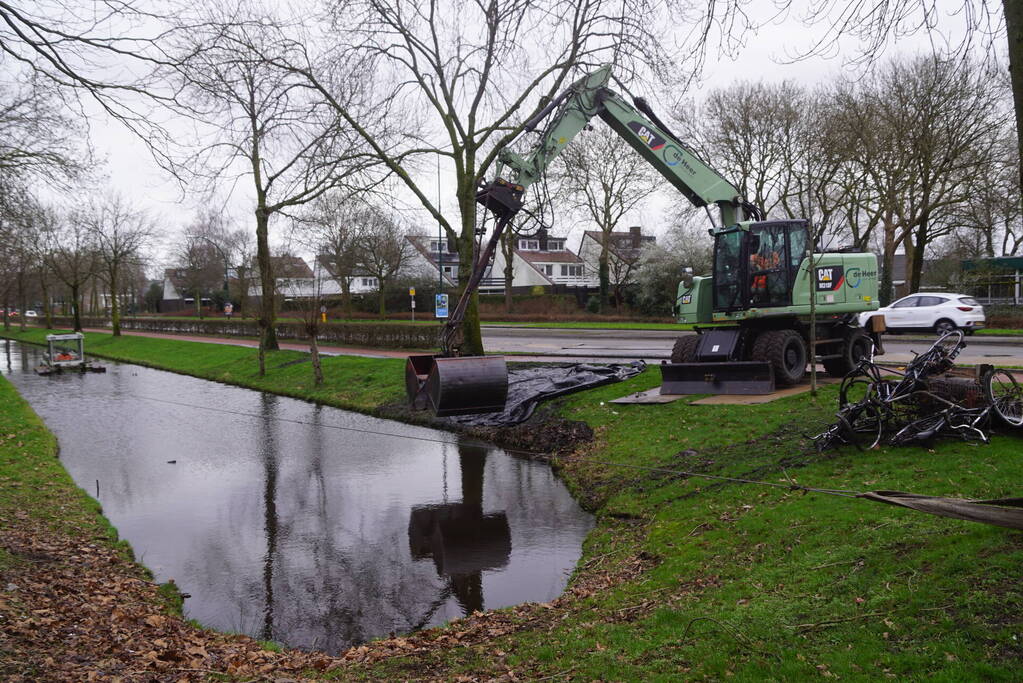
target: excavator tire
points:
(684, 350)
(785, 350)
(857, 345)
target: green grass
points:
(999, 332)
(741, 581)
(352, 383)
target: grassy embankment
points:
(685, 577)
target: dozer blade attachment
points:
(457, 386)
(738, 377)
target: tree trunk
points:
(76, 307)
(198, 302)
(22, 299)
(267, 314)
(887, 261)
(346, 297)
(1014, 32)
(472, 337)
(314, 350)
(508, 243)
(47, 311)
(115, 307)
(381, 297)
(915, 254)
(7, 310)
(604, 270)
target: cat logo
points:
(649, 137)
(830, 278)
(687, 299)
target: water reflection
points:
(462, 541)
(284, 523)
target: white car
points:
(31, 314)
(939, 312)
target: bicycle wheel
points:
(1005, 396)
(919, 430)
(854, 390)
(862, 425)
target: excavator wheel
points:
(856, 346)
(684, 350)
(785, 350)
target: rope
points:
(791, 486)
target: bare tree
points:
(464, 77)
(38, 138)
(604, 180)
(264, 126)
(198, 262)
(121, 233)
(333, 229)
(72, 257)
(384, 250)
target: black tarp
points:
(528, 386)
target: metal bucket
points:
(467, 385)
(734, 377)
(417, 369)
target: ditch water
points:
(300, 523)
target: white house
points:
(543, 261)
(624, 250)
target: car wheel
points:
(944, 326)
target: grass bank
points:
(686, 577)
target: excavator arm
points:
(637, 125)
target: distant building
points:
(543, 261)
(624, 251)
(434, 254)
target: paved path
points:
(653, 346)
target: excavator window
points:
(730, 270)
(769, 265)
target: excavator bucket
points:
(457, 386)
(738, 377)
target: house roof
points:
(622, 243)
(532, 257)
(421, 243)
(329, 267)
(290, 266)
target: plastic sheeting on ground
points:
(528, 386)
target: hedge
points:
(377, 335)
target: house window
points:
(438, 245)
(369, 282)
(555, 245)
(572, 271)
(448, 270)
(548, 269)
(529, 245)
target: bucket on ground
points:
(465, 385)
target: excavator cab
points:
(755, 264)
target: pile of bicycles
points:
(911, 405)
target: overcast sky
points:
(763, 56)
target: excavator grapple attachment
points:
(732, 377)
(468, 385)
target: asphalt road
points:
(654, 346)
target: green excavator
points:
(767, 302)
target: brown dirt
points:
(77, 610)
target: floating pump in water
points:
(465, 385)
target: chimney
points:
(637, 236)
(541, 235)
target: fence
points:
(376, 335)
